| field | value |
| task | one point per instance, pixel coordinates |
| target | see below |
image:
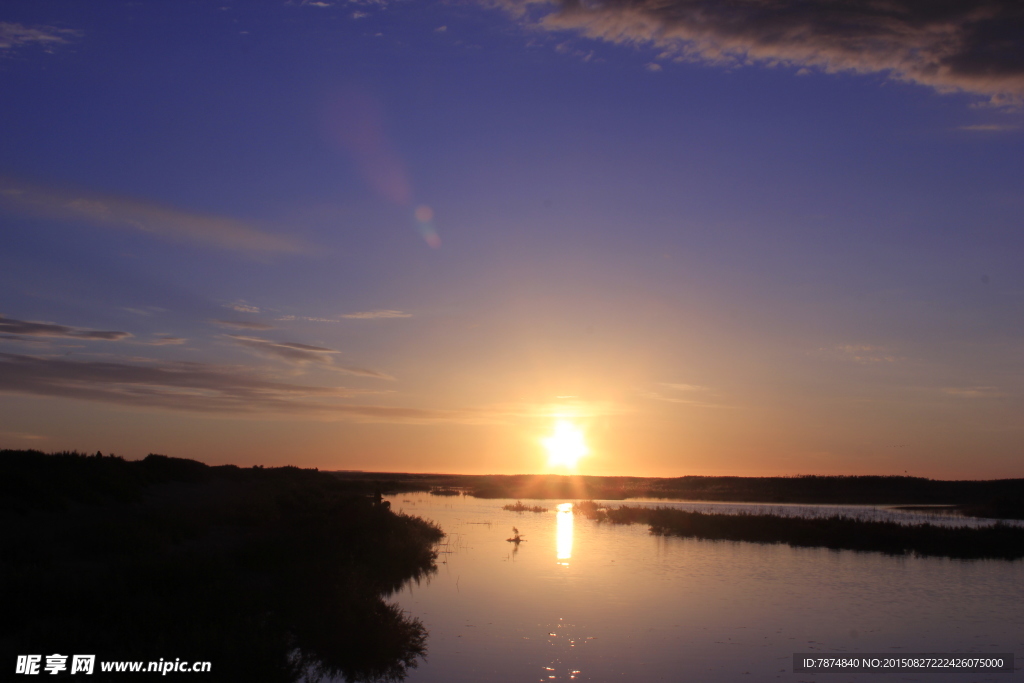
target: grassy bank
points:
(837, 533)
(266, 573)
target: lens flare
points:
(425, 225)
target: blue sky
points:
(721, 238)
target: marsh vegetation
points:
(836, 532)
(519, 506)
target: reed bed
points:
(519, 506)
(837, 532)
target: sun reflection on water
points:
(563, 533)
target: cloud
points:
(864, 354)
(688, 394)
(684, 387)
(167, 340)
(199, 388)
(242, 307)
(10, 326)
(373, 315)
(974, 46)
(13, 36)
(145, 310)
(138, 214)
(989, 127)
(301, 354)
(243, 324)
(307, 319)
(973, 392)
(290, 351)
(22, 435)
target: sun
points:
(565, 446)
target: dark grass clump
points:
(269, 574)
(838, 533)
(445, 492)
(519, 506)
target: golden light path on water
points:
(580, 600)
(563, 533)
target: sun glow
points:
(565, 446)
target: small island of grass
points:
(519, 506)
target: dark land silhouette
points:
(269, 574)
(838, 533)
(999, 498)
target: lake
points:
(584, 601)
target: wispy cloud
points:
(25, 328)
(306, 319)
(301, 354)
(372, 315)
(976, 46)
(242, 307)
(688, 394)
(200, 388)
(864, 354)
(683, 387)
(243, 324)
(14, 36)
(138, 214)
(22, 435)
(973, 392)
(145, 310)
(167, 340)
(290, 351)
(989, 127)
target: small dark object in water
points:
(516, 538)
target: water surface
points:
(585, 601)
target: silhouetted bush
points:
(270, 574)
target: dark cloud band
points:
(10, 326)
(194, 387)
(976, 46)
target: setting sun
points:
(565, 446)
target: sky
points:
(746, 237)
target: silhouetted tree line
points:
(1001, 498)
(270, 574)
(838, 533)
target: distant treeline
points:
(270, 574)
(1001, 498)
(837, 533)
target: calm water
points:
(590, 602)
